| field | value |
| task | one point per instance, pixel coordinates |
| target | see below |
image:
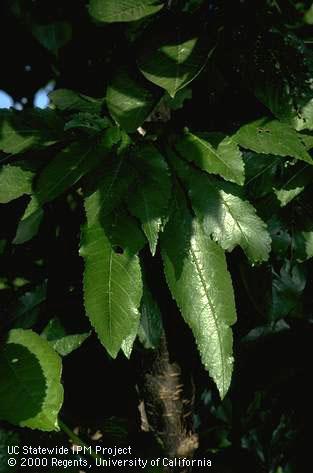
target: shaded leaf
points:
(28, 361)
(149, 201)
(173, 62)
(295, 180)
(284, 79)
(123, 231)
(129, 100)
(225, 159)
(265, 331)
(281, 239)
(53, 35)
(62, 343)
(288, 286)
(27, 310)
(68, 100)
(192, 5)
(177, 102)
(30, 129)
(87, 121)
(260, 172)
(106, 191)
(30, 222)
(71, 164)
(151, 327)
(64, 171)
(308, 17)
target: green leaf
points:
(150, 328)
(196, 272)
(123, 231)
(191, 6)
(284, 79)
(31, 393)
(229, 219)
(88, 121)
(287, 195)
(128, 343)
(303, 245)
(64, 171)
(65, 345)
(173, 62)
(29, 223)
(30, 129)
(308, 17)
(294, 182)
(260, 170)
(177, 102)
(15, 181)
(27, 310)
(281, 239)
(287, 290)
(272, 137)
(307, 140)
(112, 282)
(224, 159)
(149, 201)
(110, 11)
(53, 35)
(108, 189)
(129, 100)
(69, 101)
(61, 342)
(71, 164)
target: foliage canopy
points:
(175, 152)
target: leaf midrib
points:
(203, 283)
(139, 7)
(114, 178)
(220, 191)
(64, 177)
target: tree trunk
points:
(167, 404)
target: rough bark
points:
(167, 404)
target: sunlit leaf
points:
(110, 11)
(272, 137)
(196, 272)
(14, 182)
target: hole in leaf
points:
(118, 250)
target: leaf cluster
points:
(148, 174)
